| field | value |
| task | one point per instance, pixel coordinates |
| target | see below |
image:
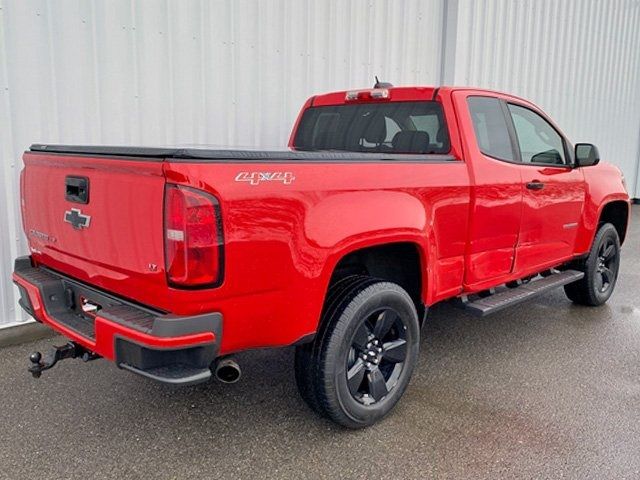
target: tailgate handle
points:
(76, 189)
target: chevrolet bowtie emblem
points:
(77, 219)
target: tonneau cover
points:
(191, 154)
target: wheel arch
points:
(398, 261)
(616, 212)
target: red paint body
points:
(472, 220)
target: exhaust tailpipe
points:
(227, 370)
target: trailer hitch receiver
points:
(71, 350)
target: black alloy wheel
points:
(600, 269)
(607, 266)
(361, 360)
(377, 356)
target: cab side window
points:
(490, 127)
(539, 142)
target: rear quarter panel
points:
(282, 242)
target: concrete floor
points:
(543, 390)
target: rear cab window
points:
(393, 127)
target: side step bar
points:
(499, 301)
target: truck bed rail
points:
(190, 154)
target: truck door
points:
(553, 191)
(496, 189)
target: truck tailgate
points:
(97, 219)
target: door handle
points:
(535, 185)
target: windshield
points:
(394, 127)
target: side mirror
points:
(586, 155)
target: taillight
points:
(193, 237)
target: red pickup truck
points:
(388, 200)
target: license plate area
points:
(89, 307)
(85, 302)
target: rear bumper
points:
(167, 348)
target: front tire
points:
(362, 359)
(600, 269)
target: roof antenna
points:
(380, 84)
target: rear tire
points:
(304, 354)
(361, 361)
(600, 269)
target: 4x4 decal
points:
(254, 178)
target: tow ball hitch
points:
(71, 350)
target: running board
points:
(498, 301)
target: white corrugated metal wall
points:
(196, 71)
(236, 72)
(578, 59)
